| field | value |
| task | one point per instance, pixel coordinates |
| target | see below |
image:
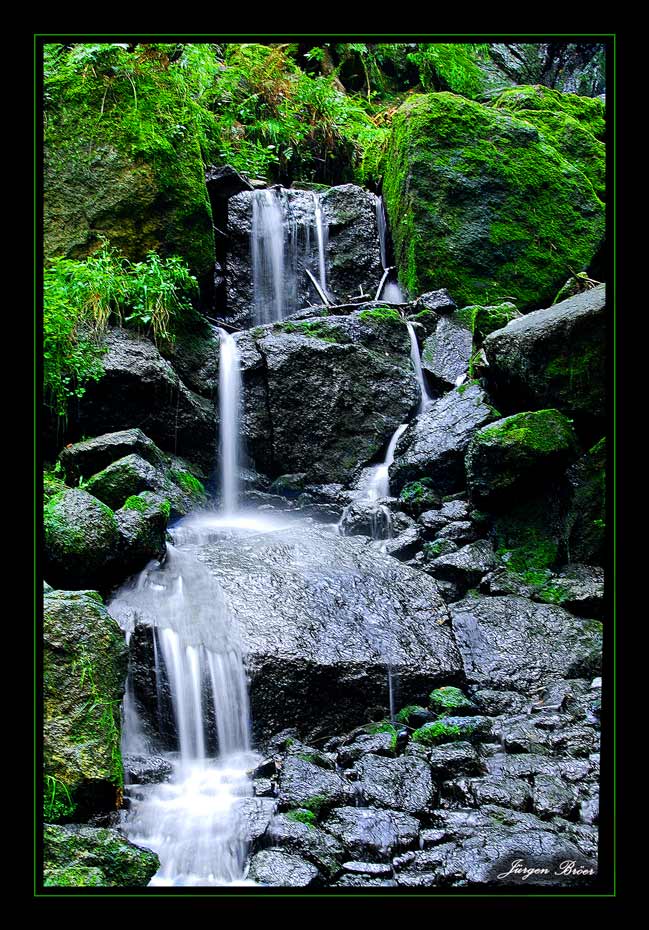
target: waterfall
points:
(321, 237)
(273, 272)
(379, 483)
(229, 420)
(415, 358)
(389, 288)
(192, 822)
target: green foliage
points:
(406, 712)
(52, 484)
(103, 718)
(381, 315)
(302, 815)
(57, 801)
(316, 330)
(540, 431)
(80, 297)
(416, 491)
(134, 502)
(450, 66)
(188, 482)
(384, 727)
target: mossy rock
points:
(515, 451)
(84, 671)
(418, 496)
(86, 856)
(451, 700)
(586, 515)
(142, 524)
(122, 159)
(588, 112)
(81, 540)
(482, 320)
(480, 202)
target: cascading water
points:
(321, 237)
(415, 359)
(193, 821)
(389, 289)
(229, 417)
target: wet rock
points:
(401, 784)
(366, 518)
(256, 815)
(304, 784)
(521, 765)
(453, 759)
(224, 181)
(280, 868)
(372, 834)
(459, 531)
(307, 841)
(499, 702)
(581, 589)
(80, 855)
(508, 792)
(364, 743)
(142, 530)
(315, 639)
(405, 545)
(553, 357)
(552, 797)
(363, 881)
(146, 770)
(353, 253)
(434, 445)
(585, 520)
(82, 459)
(85, 660)
(139, 386)
(263, 788)
(432, 521)
(510, 642)
(446, 353)
(368, 868)
(516, 452)
(467, 565)
(195, 358)
(439, 301)
(455, 510)
(82, 541)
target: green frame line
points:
(395, 894)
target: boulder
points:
(466, 566)
(372, 834)
(354, 251)
(331, 406)
(80, 855)
(434, 445)
(320, 617)
(278, 867)
(140, 386)
(403, 783)
(82, 459)
(307, 841)
(307, 785)
(513, 643)
(516, 452)
(480, 201)
(132, 475)
(447, 352)
(85, 661)
(142, 524)
(452, 759)
(553, 357)
(82, 541)
(585, 518)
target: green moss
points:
(57, 801)
(302, 815)
(529, 100)
(74, 877)
(52, 485)
(553, 594)
(381, 315)
(406, 712)
(188, 482)
(526, 540)
(135, 503)
(384, 727)
(448, 698)
(437, 547)
(432, 734)
(416, 491)
(482, 204)
(541, 431)
(314, 804)
(315, 330)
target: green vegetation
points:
(540, 431)
(52, 483)
(316, 330)
(314, 804)
(448, 698)
(103, 719)
(437, 547)
(419, 494)
(431, 734)
(188, 483)
(81, 297)
(384, 726)
(302, 815)
(381, 315)
(135, 503)
(406, 712)
(57, 801)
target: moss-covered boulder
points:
(82, 459)
(514, 451)
(585, 521)
(84, 671)
(142, 523)
(83, 856)
(573, 125)
(81, 540)
(482, 203)
(553, 357)
(123, 158)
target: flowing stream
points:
(229, 416)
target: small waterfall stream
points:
(390, 291)
(229, 417)
(415, 358)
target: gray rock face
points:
(582, 589)
(364, 743)
(452, 759)
(133, 475)
(146, 770)
(280, 868)
(510, 642)
(368, 833)
(332, 406)
(434, 445)
(466, 566)
(401, 784)
(553, 357)
(353, 256)
(307, 841)
(319, 614)
(302, 781)
(140, 387)
(446, 353)
(142, 532)
(82, 459)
